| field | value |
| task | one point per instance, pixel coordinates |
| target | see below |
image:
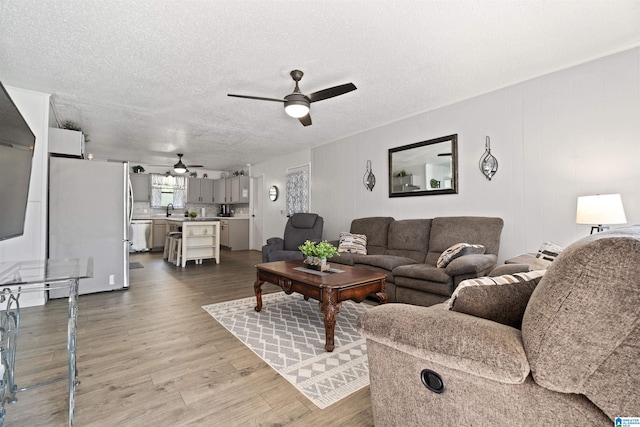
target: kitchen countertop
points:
(183, 218)
(233, 217)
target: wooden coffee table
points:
(330, 289)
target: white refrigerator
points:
(90, 207)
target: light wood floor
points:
(151, 356)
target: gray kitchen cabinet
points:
(141, 185)
(227, 190)
(239, 189)
(67, 142)
(234, 233)
(199, 191)
(231, 190)
(224, 232)
(219, 191)
(159, 234)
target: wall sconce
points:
(600, 209)
(369, 179)
(488, 163)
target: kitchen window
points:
(167, 189)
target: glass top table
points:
(21, 277)
(16, 273)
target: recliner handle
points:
(432, 380)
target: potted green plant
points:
(325, 250)
(318, 253)
(193, 215)
(308, 249)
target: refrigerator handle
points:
(130, 195)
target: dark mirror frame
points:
(416, 147)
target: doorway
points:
(256, 226)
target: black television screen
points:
(17, 144)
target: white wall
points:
(570, 133)
(275, 213)
(34, 107)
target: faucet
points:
(169, 204)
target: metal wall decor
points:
(488, 163)
(369, 179)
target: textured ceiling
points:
(148, 79)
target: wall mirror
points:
(424, 168)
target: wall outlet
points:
(112, 279)
(145, 210)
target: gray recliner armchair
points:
(299, 228)
(573, 361)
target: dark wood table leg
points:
(257, 287)
(382, 295)
(329, 306)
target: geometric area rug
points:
(288, 333)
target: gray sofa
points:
(573, 362)
(407, 251)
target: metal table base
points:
(63, 274)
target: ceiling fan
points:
(181, 167)
(297, 104)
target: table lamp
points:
(600, 209)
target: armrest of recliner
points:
(459, 341)
(475, 264)
(275, 243)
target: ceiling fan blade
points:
(259, 98)
(306, 120)
(195, 166)
(331, 92)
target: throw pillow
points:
(352, 243)
(502, 299)
(549, 251)
(456, 251)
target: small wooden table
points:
(330, 289)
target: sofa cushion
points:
(352, 243)
(447, 231)
(387, 262)
(426, 272)
(345, 258)
(377, 231)
(409, 238)
(502, 299)
(456, 251)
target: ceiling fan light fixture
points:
(179, 167)
(296, 105)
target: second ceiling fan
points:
(297, 104)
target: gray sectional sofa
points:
(408, 250)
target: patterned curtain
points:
(177, 183)
(179, 198)
(157, 180)
(297, 192)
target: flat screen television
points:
(17, 144)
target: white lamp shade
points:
(600, 209)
